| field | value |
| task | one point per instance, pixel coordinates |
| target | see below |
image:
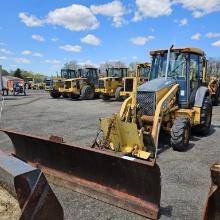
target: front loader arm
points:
(163, 106)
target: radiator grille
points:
(128, 85)
(67, 84)
(146, 101)
(101, 84)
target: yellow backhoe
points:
(174, 100)
(121, 167)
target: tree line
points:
(23, 74)
(213, 68)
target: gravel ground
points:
(185, 175)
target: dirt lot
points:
(185, 175)
(9, 207)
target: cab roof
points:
(193, 50)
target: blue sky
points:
(42, 35)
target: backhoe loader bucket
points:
(117, 179)
(212, 206)
(29, 186)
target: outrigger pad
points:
(30, 187)
(212, 206)
(115, 178)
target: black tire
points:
(87, 92)
(215, 98)
(180, 134)
(74, 96)
(55, 94)
(65, 95)
(206, 117)
(105, 97)
(117, 94)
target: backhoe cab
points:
(111, 85)
(142, 74)
(174, 100)
(82, 85)
(54, 84)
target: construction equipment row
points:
(120, 167)
(85, 83)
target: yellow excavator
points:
(174, 100)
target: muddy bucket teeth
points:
(31, 189)
(129, 183)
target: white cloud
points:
(21, 60)
(3, 58)
(183, 22)
(91, 39)
(13, 65)
(75, 18)
(200, 8)
(37, 54)
(55, 62)
(216, 43)
(114, 9)
(38, 37)
(2, 44)
(26, 52)
(212, 35)
(5, 51)
(152, 8)
(134, 58)
(142, 40)
(71, 48)
(54, 39)
(31, 20)
(196, 36)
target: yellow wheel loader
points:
(174, 100)
(54, 84)
(213, 86)
(143, 71)
(82, 86)
(111, 85)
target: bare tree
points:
(132, 66)
(111, 64)
(73, 65)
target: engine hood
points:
(156, 84)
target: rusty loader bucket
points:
(212, 206)
(30, 188)
(125, 182)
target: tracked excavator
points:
(120, 168)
